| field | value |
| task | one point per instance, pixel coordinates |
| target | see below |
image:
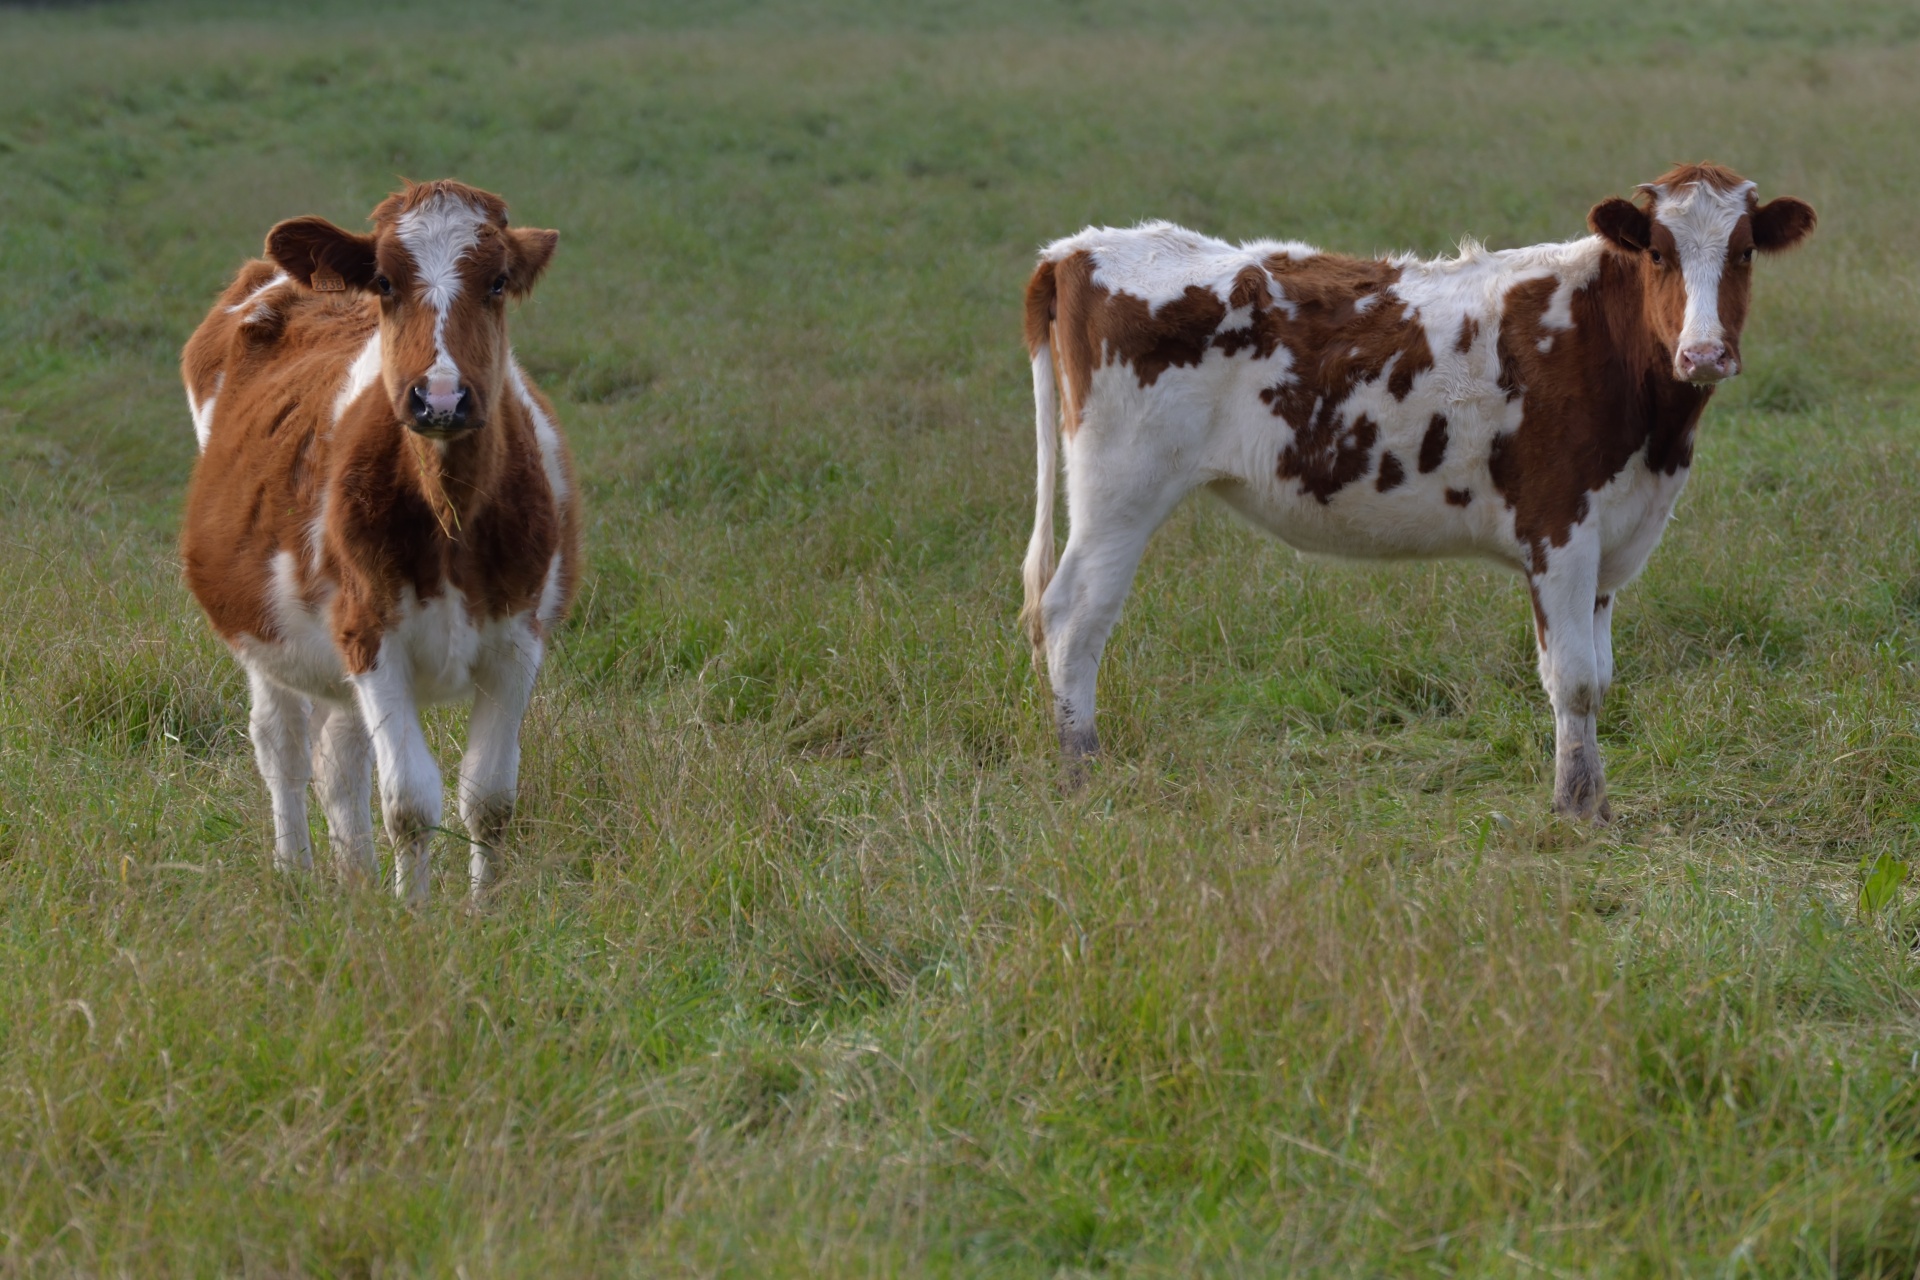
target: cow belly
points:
(1371, 500)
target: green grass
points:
(802, 963)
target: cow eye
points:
(1657, 259)
(1747, 254)
(384, 285)
(499, 286)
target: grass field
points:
(801, 962)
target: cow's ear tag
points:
(325, 281)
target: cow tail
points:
(1037, 571)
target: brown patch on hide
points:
(1074, 354)
(1603, 392)
(1433, 445)
(1127, 331)
(1326, 456)
(1347, 331)
(1095, 327)
(1392, 474)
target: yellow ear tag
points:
(325, 281)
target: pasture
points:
(800, 962)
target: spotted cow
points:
(383, 515)
(1532, 406)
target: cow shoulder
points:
(1592, 396)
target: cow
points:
(1533, 406)
(383, 515)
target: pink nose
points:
(441, 404)
(440, 409)
(1707, 362)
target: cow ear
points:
(321, 256)
(1622, 224)
(531, 250)
(1782, 223)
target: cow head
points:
(442, 262)
(1694, 231)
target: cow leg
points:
(410, 799)
(1603, 641)
(1565, 621)
(278, 727)
(490, 769)
(1108, 535)
(343, 775)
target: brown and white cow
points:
(1532, 406)
(382, 516)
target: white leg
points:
(278, 726)
(1564, 597)
(343, 775)
(490, 769)
(1603, 640)
(410, 799)
(1109, 531)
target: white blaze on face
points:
(437, 235)
(1701, 218)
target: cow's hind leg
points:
(343, 775)
(490, 770)
(277, 724)
(1567, 627)
(410, 799)
(1110, 528)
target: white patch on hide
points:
(202, 410)
(361, 374)
(544, 431)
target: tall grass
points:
(802, 963)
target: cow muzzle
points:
(1705, 363)
(441, 413)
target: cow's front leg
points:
(490, 770)
(277, 724)
(1567, 627)
(410, 800)
(1603, 640)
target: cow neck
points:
(1659, 405)
(456, 479)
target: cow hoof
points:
(1585, 809)
(1078, 751)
